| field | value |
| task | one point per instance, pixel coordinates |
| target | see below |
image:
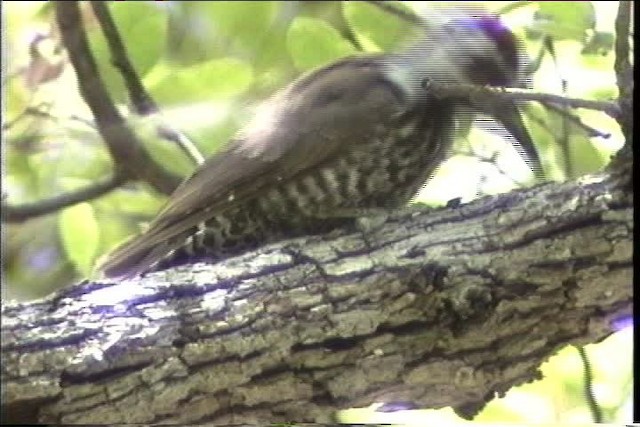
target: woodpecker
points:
(360, 133)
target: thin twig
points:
(349, 35)
(82, 120)
(512, 6)
(128, 154)
(535, 64)
(36, 111)
(143, 102)
(28, 111)
(563, 138)
(447, 90)
(591, 131)
(20, 213)
(490, 160)
(402, 14)
(167, 132)
(596, 412)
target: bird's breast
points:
(384, 171)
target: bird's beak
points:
(508, 113)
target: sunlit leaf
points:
(114, 230)
(216, 136)
(312, 42)
(130, 201)
(17, 98)
(231, 19)
(215, 79)
(537, 121)
(584, 156)
(65, 164)
(600, 43)
(80, 235)
(169, 155)
(17, 165)
(552, 131)
(380, 27)
(565, 20)
(142, 26)
(200, 31)
(505, 7)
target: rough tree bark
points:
(449, 307)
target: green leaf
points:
(583, 155)
(114, 229)
(565, 20)
(169, 155)
(245, 22)
(21, 181)
(142, 27)
(80, 235)
(601, 43)
(537, 121)
(215, 79)
(374, 25)
(17, 96)
(312, 43)
(200, 31)
(137, 202)
(511, 6)
(547, 129)
(215, 137)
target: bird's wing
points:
(314, 119)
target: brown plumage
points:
(359, 133)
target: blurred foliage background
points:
(207, 64)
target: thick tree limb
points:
(439, 308)
(447, 307)
(623, 67)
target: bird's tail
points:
(137, 256)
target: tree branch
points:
(21, 213)
(142, 101)
(447, 90)
(129, 156)
(622, 162)
(591, 131)
(447, 307)
(394, 10)
(596, 412)
(623, 68)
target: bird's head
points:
(463, 46)
(482, 49)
